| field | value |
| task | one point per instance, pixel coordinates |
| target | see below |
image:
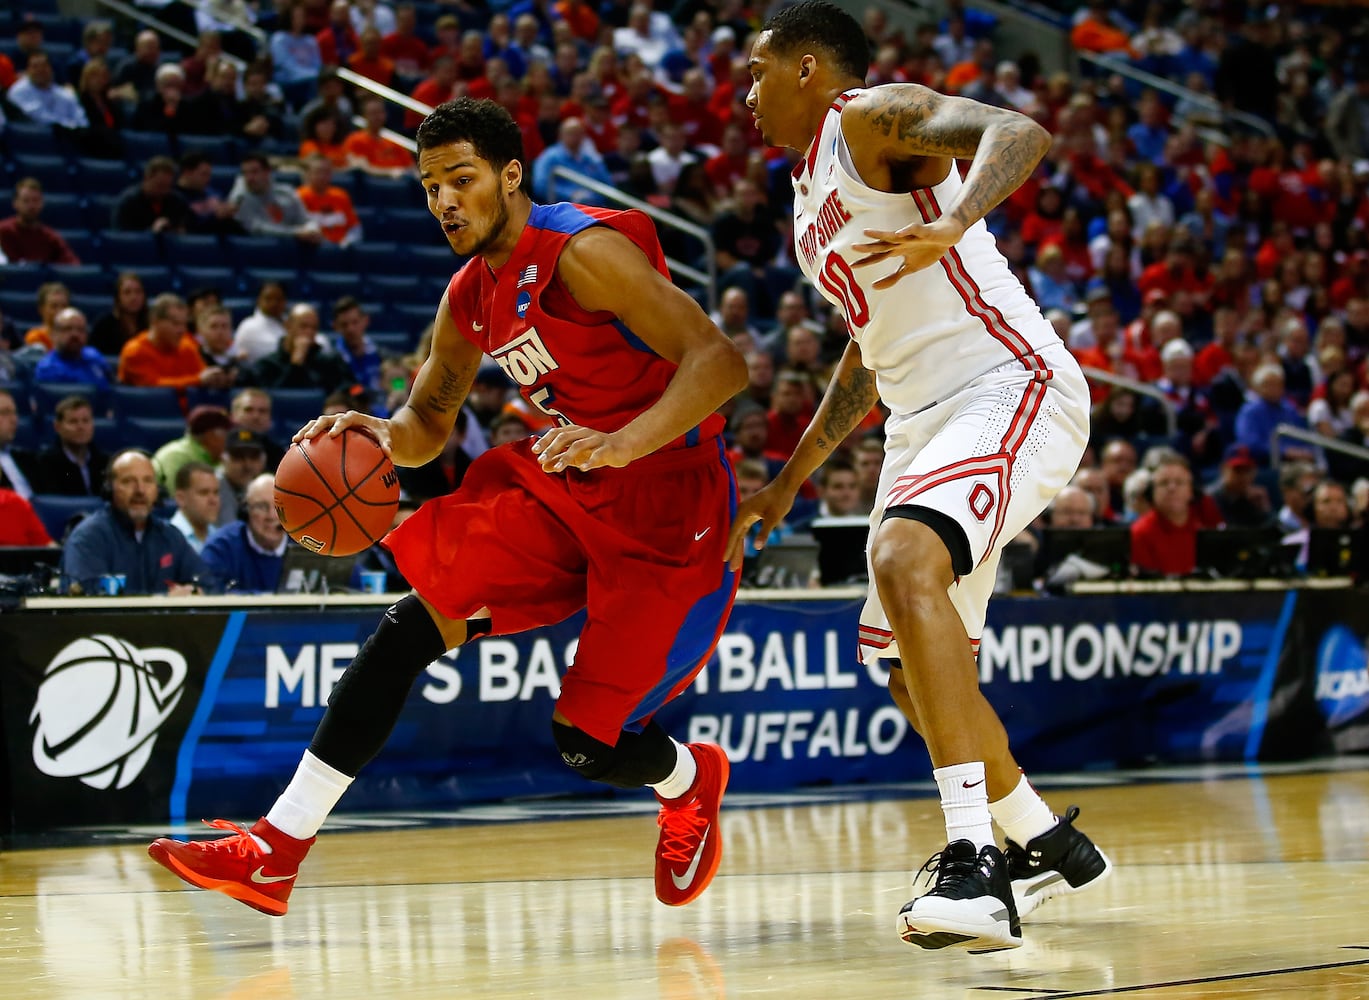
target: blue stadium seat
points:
(372, 221)
(292, 408)
(57, 512)
(25, 278)
(240, 306)
(434, 261)
(139, 147)
(132, 251)
(26, 434)
(196, 395)
(109, 436)
(327, 286)
(82, 242)
(254, 277)
(46, 396)
(223, 178)
(410, 224)
(64, 211)
(50, 171)
(22, 399)
(397, 289)
(194, 251)
(262, 251)
(19, 308)
(31, 139)
(94, 306)
(327, 257)
(222, 150)
(150, 432)
(225, 279)
(415, 316)
(100, 211)
(380, 258)
(392, 343)
(104, 177)
(157, 280)
(84, 279)
(386, 192)
(145, 401)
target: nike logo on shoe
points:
(262, 879)
(700, 534)
(682, 881)
(972, 784)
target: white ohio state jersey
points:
(935, 330)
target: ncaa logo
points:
(521, 304)
(99, 708)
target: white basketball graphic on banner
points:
(99, 708)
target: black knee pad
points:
(639, 759)
(947, 529)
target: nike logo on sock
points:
(975, 784)
(681, 881)
(262, 879)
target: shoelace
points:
(682, 827)
(242, 845)
(943, 871)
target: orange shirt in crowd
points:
(39, 335)
(331, 209)
(381, 70)
(961, 75)
(335, 153)
(1094, 36)
(142, 362)
(19, 525)
(377, 151)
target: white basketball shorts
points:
(990, 457)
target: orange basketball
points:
(336, 495)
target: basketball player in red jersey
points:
(623, 508)
(988, 420)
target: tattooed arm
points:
(420, 429)
(849, 397)
(905, 136)
(897, 130)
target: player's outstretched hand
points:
(574, 447)
(769, 507)
(916, 245)
(335, 423)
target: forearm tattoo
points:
(847, 402)
(447, 396)
(1003, 147)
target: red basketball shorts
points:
(641, 548)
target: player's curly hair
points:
(818, 24)
(484, 124)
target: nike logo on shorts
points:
(262, 879)
(699, 534)
(681, 881)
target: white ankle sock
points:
(307, 800)
(680, 780)
(965, 803)
(1022, 813)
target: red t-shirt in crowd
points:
(1158, 545)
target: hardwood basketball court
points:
(1228, 883)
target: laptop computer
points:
(1245, 553)
(841, 549)
(305, 572)
(788, 563)
(1085, 553)
(1337, 552)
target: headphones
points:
(107, 484)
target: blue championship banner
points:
(154, 715)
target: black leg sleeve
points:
(367, 700)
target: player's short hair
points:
(819, 24)
(484, 124)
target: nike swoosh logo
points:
(681, 881)
(477, 327)
(702, 533)
(966, 784)
(261, 879)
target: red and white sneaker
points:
(236, 866)
(691, 845)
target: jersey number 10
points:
(837, 277)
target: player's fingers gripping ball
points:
(336, 495)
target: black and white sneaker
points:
(970, 906)
(1058, 862)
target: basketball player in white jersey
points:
(989, 418)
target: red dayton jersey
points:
(584, 368)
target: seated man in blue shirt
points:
(358, 350)
(71, 359)
(245, 556)
(122, 538)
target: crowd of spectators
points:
(1221, 260)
